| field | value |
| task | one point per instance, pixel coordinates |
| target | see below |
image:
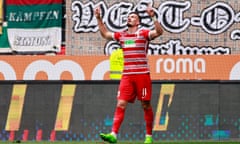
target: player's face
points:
(133, 20)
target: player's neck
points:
(132, 29)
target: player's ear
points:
(138, 23)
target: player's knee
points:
(122, 104)
(146, 104)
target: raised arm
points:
(158, 28)
(102, 28)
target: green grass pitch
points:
(132, 142)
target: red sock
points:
(148, 116)
(118, 119)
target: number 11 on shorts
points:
(144, 92)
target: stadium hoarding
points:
(164, 67)
(80, 110)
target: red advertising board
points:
(214, 67)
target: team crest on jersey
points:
(129, 43)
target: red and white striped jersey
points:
(135, 48)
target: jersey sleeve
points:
(146, 34)
(116, 36)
